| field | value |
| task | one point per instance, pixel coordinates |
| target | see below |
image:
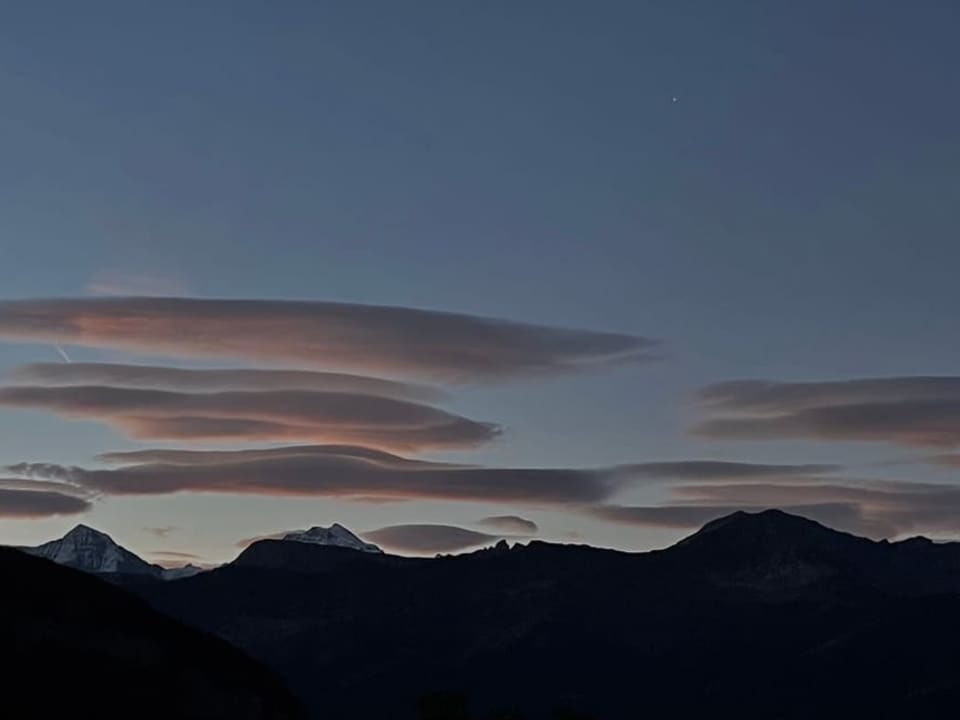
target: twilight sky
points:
(449, 271)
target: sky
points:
(576, 223)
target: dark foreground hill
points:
(75, 647)
(756, 616)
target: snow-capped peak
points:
(84, 534)
(87, 549)
(336, 535)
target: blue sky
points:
(771, 189)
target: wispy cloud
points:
(704, 489)
(273, 415)
(945, 460)
(137, 283)
(510, 524)
(174, 555)
(152, 377)
(338, 472)
(165, 456)
(161, 532)
(174, 559)
(366, 474)
(918, 411)
(392, 340)
(719, 470)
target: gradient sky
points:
(771, 190)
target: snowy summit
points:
(84, 548)
(92, 551)
(336, 535)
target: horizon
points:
(178, 560)
(592, 276)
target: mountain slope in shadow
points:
(77, 647)
(763, 615)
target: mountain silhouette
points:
(77, 647)
(763, 615)
(87, 549)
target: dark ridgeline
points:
(76, 648)
(762, 615)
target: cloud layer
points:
(875, 508)
(222, 457)
(392, 340)
(428, 538)
(702, 489)
(368, 474)
(719, 470)
(153, 377)
(329, 471)
(270, 415)
(914, 411)
(19, 500)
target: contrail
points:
(63, 353)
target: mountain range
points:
(92, 551)
(757, 615)
(764, 615)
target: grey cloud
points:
(925, 423)
(343, 473)
(371, 475)
(721, 470)
(136, 283)
(767, 396)
(175, 555)
(946, 460)
(428, 538)
(46, 472)
(374, 338)
(915, 411)
(18, 502)
(154, 377)
(510, 524)
(267, 415)
(30, 479)
(217, 457)
(877, 493)
(161, 532)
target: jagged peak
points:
(86, 548)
